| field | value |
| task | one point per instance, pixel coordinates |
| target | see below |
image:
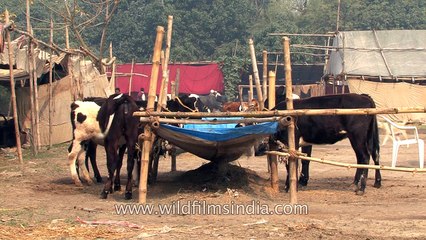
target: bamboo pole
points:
(256, 73)
(67, 37)
(160, 96)
(163, 98)
(31, 76)
(265, 74)
(294, 112)
(131, 77)
(271, 91)
(272, 162)
(36, 103)
(69, 65)
(348, 165)
(273, 169)
(250, 93)
(50, 85)
(291, 127)
(12, 91)
(177, 82)
(199, 121)
(173, 89)
(113, 66)
(147, 137)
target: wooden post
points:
(250, 93)
(12, 91)
(113, 66)
(67, 38)
(131, 77)
(256, 74)
(291, 127)
(34, 145)
(50, 84)
(173, 89)
(240, 93)
(177, 82)
(37, 108)
(265, 75)
(163, 100)
(271, 91)
(271, 104)
(147, 137)
(273, 167)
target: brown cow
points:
(241, 107)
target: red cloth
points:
(193, 79)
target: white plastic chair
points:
(411, 139)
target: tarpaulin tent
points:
(389, 65)
(194, 78)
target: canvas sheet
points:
(390, 95)
(386, 53)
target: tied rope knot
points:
(293, 153)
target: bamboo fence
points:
(348, 165)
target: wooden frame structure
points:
(154, 118)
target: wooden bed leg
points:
(273, 165)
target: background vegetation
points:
(206, 30)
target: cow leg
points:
(136, 168)
(130, 164)
(74, 151)
(117, 180)
(287, 180)
(83, 169)
(111, 154)
(156, 161)
(363, 157)
(378, 177)
(91, 154)
(304, 175)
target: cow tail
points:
(374, 141)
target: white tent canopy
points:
(387, 54)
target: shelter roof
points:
(387, 53)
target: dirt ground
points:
(42, 202)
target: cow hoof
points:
(117, 188)
(377, 184)
(78, 183)
(128, 195)
(360, 193)
(303, 182)
(89, 182)
(104, 195)
(355, 187)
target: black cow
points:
(361, 130)
(116, 119)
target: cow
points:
(209, 103)
(116, 120)
(86, 136)
(253, 105)
(85, 128)
(361, 130)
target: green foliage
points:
(233, 68)
(219, 30)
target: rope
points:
(181, 103)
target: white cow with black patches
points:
(85, 128)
